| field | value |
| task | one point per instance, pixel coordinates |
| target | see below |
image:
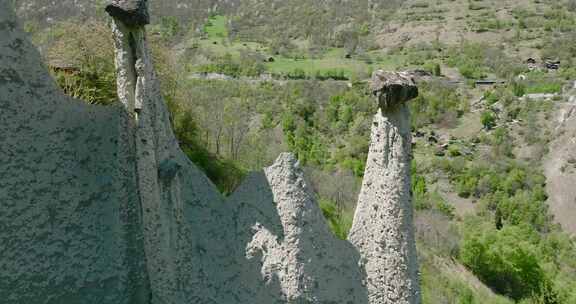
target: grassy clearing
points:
(221, 47)
(216, 28)
(334, 59)
(216, 43)
(313, 66)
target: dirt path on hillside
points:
(560, 166)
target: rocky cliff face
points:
(99, 205)
(70, 216)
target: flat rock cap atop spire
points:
(392, 88)
(131, 12)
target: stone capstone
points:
(392, 88)
(130, 12)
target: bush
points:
(454, 151)
(476, 60)
(506, 261)
(88, 47)
(437, 104)
(248, 65)
(425, 200)
(331, 74)
(544, 88)
(224, 173)
(419, 191)
(297, 74)
(169, 27)
(488, 120)
(340, 221)
(519, 89)
(434, 68)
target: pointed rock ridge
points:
(383, 229)
(295, 247)
(165, 176)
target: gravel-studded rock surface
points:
(99, 205)
(383, 224)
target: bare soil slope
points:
(560, 166)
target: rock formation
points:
(70, 216)
(99, 204)
(382, 229)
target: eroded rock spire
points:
(383, 226)
(155, 145)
